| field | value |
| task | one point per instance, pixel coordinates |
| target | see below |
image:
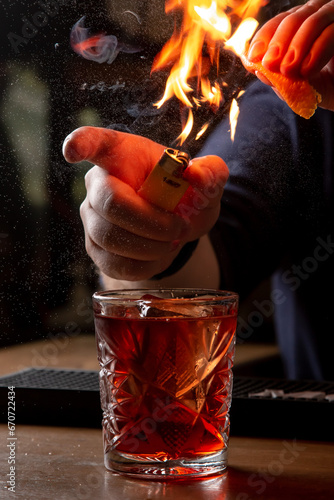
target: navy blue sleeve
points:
(270, 183)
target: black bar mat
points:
(260, 407)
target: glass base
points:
(171, 469)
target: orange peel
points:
(302, 98)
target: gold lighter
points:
(165, 186)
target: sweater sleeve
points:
(268, 187)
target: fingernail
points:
(272, 54)
(306, 63)
(65, 145)
(256, 51)
(70, 151)
(278, 94)
(263, 78)
(74, 150)
(289, 58)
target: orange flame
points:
(238, 41)
(187, 128)
(202, 131)
(209, 24)
(234, 113)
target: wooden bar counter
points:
(67, 464)
(62, 463)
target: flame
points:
(234, 113)
(211, 94)
(219, 23)
(202, 131)
(207, 26)
(238, 41)
(187, 128)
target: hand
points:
(127, 237)
(299, 43)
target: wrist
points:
(180, 260)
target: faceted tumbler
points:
(165, 379)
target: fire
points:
(234, 113)
(238, 41)
(219, 24)
(211, 94)
(202, 131)
(207, 26)
(187, 128)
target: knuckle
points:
(88, 177)
(105, 237)
(327, 7)
(310, 6)
(96, 234)
(82, 209)
(90, 247)
(109, 203)
(127, 269)
(119, 267)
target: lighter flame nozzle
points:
(165, 186)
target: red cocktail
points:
(165, 379)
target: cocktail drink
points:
(165, 379)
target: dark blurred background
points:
(46, 91)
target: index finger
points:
(312, 42)
(126, 156)
(285, 44)
(263, 36)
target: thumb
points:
(93, 144)
(126, 156)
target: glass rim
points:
(135, 295)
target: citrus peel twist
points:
(300, 96)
